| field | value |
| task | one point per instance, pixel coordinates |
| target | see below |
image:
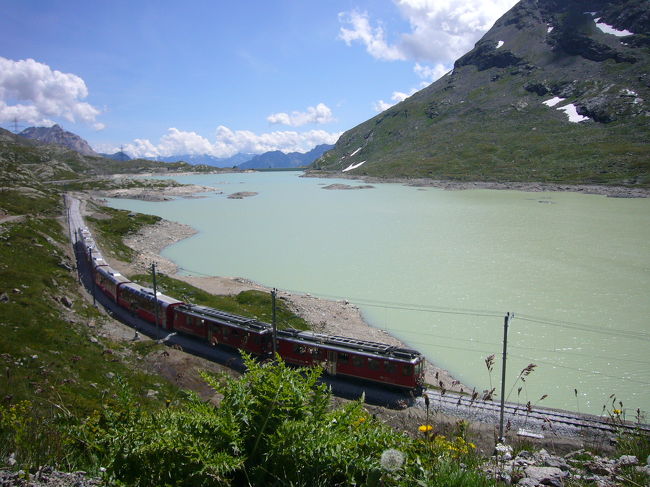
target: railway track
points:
(518, 415)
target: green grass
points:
(110, 231)
(252, 304)
(51, 365)
(474, 142)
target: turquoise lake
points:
(440, 269)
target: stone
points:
(556, 462)
(546, 475)
(626, 460)
(599, 467)
(66, 301)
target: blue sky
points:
(163, 77)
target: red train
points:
(339, 356)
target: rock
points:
(599, 467)
(626, 460)
(4, 298)
(241, 195)
(546, 476)
(504, 452)
(66, 301)
(110, 375)
(556, 462)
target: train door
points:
(330, 364)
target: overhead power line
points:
(633, 334)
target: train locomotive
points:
(338, 356)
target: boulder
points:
(546, 476)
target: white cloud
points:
(372, 37)
(397, 97)
(440, 30)
(32, 92)
(229, 142)
(429, 74)
(321, 113)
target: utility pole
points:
(155, 291)
(77, 237)
(275, 328)
(92, 273)
(506, 319)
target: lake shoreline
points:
(532, 187)
(341, 318)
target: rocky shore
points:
(609, 191)
(165, 193)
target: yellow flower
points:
(617, 412)
(425, 427)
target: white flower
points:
(392, 459)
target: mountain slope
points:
(486, 120)
(55, 162)
(56, 135)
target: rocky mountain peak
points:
(56, 135)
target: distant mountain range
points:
(274, 159)
(56, 135)
(555, 91)
(277, 159)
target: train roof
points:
(147, 293)
(352, 345)
(112, 274)
(223, 317)
(99, 262)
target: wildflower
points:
(392, 459)
(425, 428)
(617, 412)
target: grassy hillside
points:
(486, 120)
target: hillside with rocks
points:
(56, 135)
(55, 162)
(557, 91)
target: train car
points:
(109, 280)
(141, 302)
(219, 327)
(341, 356)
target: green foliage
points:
(253, 304)
(119, 224)
(273, 426)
